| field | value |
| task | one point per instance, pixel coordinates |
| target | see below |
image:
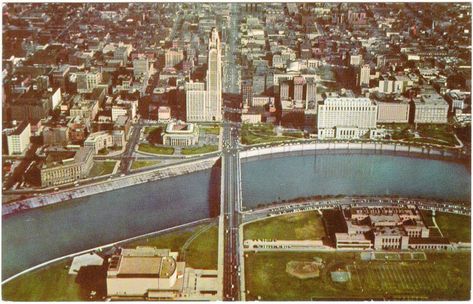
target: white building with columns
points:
(346, 117)
(180, 134)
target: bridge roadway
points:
(231, 174)
(231, 207)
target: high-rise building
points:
(311, 94)
(430, 108)
(393, 112)
(365, 75)
(299, 83)
(19, 139)
(206, 105)
(247, 92)
(346, 117)
(214, 77)
(196, 101)
(173, 56)
(284, 90)
(140, 66)
(88, 81)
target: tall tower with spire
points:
(206, 105)
(214, 77)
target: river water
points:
(39, 235)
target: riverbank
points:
(375, 148)
(109, 185)
(107, 246)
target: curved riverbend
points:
(272, 178)
(39, 235)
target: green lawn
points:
(202, 252)
(47, 284)
(102, 168)
(199, 150)
(215, 130)
(454, 226)
(172, 240)
(261, 133)
(297, 226)
(441, 134)
(155, 150)
(148, 130)
(443, 276)
(433, 141)
(138, 164)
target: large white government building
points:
(205, 105)
(430, 108)
(393, 112)
(179, 134)
(346, 117)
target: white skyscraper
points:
(365, 75)
(214, 77)
(206, 106)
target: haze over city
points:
(236, 151)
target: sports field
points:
(443, 276)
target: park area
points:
(213, 129)
(443, 276)
(295, 226)
(199, 150)
(436, 134)
(138, 164)
(102, 168)
(149, 148)
(197, 245)
(262, 133)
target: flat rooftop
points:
(146, 266)
(140, 265)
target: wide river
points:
(39, 235)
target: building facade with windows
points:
(180, 134)
(346, 117)
(430, 108)
(66, 166)
(18, 139)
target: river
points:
(39, 235)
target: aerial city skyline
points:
(236, 151)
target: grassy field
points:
(440, 134)
(102, 168)
(454, 226)
(172, 240)
(199, 150)
(138, 164)
(148, 130)
(48, 284)
(261, 133)
(155, 150)
(296, 226)
(215, 130)
(442, 276)
(202, 252)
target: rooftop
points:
(180, 127)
